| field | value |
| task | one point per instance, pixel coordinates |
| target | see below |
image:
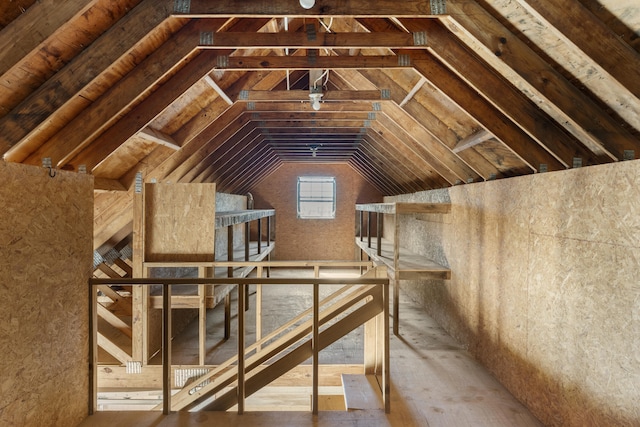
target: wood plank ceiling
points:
(415, 94)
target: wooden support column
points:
(227, 298)
(379, 216)
(368, 229)
(246, 240)
(258, 308)
(166, 349)
(386, 358)
(241, 355)
(93, 350)
(316, 347)
(396, 274)
(139, 293)
(202, 315)
(260, 236)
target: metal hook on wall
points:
(46, 163)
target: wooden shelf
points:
(410, 267)
(401, 263)
(227, 218)
(399, 208)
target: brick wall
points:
(326, 239)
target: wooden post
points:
(260, 236)
(258, 308)
(241, 385)
(368, 229)
(386, 359)
(361, 224)
(202, 317)
(268, 231)
(246, 240)
(246, 258)
(93, 350)
(379, 216)
(396, 276)
(166, 349)
(316, 347)
(139, 293)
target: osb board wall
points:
(544, 287)
(179, 222)
(45, 264)
(309, 239)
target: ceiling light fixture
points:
(307, 4)
(314, 149)
(315, 100)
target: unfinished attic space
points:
(320, 213)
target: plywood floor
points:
(434, 381)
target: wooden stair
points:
(343, 312)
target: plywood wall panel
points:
(544, 287)
(45, 264)
(179, 222)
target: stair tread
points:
(361, 392)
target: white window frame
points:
(313, 193)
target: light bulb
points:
(307, 4)
(315, 100)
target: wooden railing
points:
(319, 318)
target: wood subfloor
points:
(434, 383)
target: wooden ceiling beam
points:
(301, 125)
(403, 60)
(208, 142)
(107, 109)
(39, 22)
(218, 89)
(303, 95)
(418, 132)
(535, 77)
(575, 24)
(472, 140)
(412, 157)
(306, 106)
(158, 137)
(488, 116)
(297, 40)
(221, 159)
(255, 160)
(377, 174)
(29, 117)
(319, 116)
(103, 184)
(397, 156)
(359, 168)
(249, 181)
(383, 159)
(502, 95)
(287, 8)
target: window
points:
(316, 197)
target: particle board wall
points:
(179, 222)
(544, 287)
(323, 239)
(45, 263)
